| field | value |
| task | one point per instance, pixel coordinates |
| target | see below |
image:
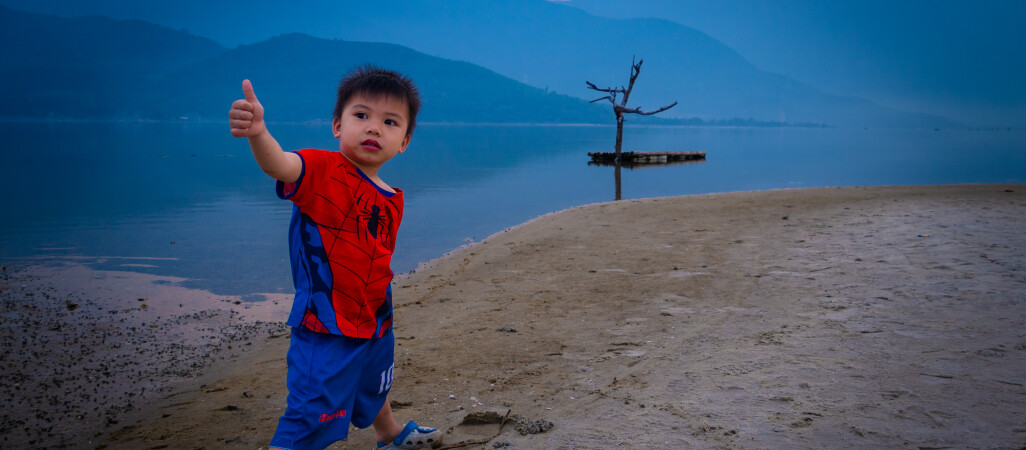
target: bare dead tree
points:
(621, 108)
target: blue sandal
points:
(414, 437)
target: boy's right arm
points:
(247, 120)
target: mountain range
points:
(94, 67)
(529, 65)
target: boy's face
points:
(372, 131)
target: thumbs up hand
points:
(246, 117)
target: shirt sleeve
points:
(287, 191)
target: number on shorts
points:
(386, 379)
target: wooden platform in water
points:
(646, 157)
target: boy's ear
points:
(336, 127)
(406, 141)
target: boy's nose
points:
(374, 130)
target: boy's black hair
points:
(376, 82)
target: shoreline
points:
(810, 317)
(465, 247)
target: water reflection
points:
(633, 160)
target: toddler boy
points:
(341, 239)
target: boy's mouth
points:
(371, 144)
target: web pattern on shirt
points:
(354, 246)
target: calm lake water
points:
(188, 200)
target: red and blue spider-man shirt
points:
(341, 240)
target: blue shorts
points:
(333, 381)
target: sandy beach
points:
(860, 317)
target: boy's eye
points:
(361, 115)
(391, 122)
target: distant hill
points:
(548, 44)
(98, 68)
(295, 76)
(541, 43)
(85, 67)
(104, 45)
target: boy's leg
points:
(321, 399)
(375, 383)
(385, 426)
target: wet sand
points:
(85, 351)
(810, 318)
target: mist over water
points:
(189, 201)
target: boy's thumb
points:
(247, 90)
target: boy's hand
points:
(247, 116)
(247, 120)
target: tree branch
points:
(609, 90)
(635, 71)
(621, 109)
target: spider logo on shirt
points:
(376, 222)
